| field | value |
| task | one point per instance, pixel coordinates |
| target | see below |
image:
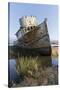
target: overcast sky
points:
(41, 11)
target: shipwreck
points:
(33, 38)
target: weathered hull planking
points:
(36, 39)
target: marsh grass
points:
(27, 65)
(30, 65)
(36, 71)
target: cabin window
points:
(34, 26)
(31, 27)
(28, 28)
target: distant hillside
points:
(54, 42)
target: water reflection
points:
(54, 60)
(12, 74)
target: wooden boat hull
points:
(36, 40)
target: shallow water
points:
(54, 60)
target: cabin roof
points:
(23, 27)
